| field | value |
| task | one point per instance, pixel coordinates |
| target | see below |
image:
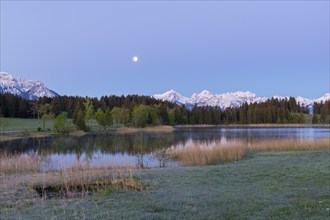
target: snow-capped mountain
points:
(323, 98)
(29, 89)
(172, 96)
(230, 99)
(307, 102)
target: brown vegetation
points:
(17, 163)
(160, 128)
(21, 174)
(202, 155)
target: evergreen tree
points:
(315, 119)
(108, 117)
(171, 117)
(23, 109)
(243, 113)
(292, 105)
(80, 121)
(325, 112)
(163, 116)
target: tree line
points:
(323, 110)
(142, 111)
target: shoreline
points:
(280, 183)
(257, 126)
(18, 134)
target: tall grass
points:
(21, 177)
(289, 144)
(159, 128)
(19, 163)
(200, 155)
(196, 154)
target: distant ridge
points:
(28, 89)
(229, 99)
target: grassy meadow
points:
(19, 124)
(268, 185)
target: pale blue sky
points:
(86, 47)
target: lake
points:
(142, 149)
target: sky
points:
(86, 48)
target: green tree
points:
(140, 116)
(298, 118)
(120, 116)
(61, 124)
(302, 118)
(243, 113)
(89, 112)
(171, 117)
(163, 115)
(292, 105)
(80, 121)
(153, 118)
(23, 109)
(315, 119)
(116, 116)
(216, 115)
(143, 115)
(196, 115)
(103, 118)
(56, 105)
(45, 113)
(100, 118)
(325, 112)
(108, 117)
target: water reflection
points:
(142, 149)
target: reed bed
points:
(155, 129)
(21, 179)
(289, 145)
(196, 154)
(19, 163)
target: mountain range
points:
(29, 89)
(34, 89)
(229, 99)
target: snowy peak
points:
(229, 99)
(205, 98)
(29, 89)
(306, 101)
(201, 98)
(172, 96)
(323, 98)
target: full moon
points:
(135, 58)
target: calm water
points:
(141, 149)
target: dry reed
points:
(21, 173)
(289, 145)
(160, 128)
(202, 155)
(19, 163)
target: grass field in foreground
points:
(275, 185)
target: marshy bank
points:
(267, 185)
(147, 148)
(76, 182)
(116, 176)
(197, 154)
